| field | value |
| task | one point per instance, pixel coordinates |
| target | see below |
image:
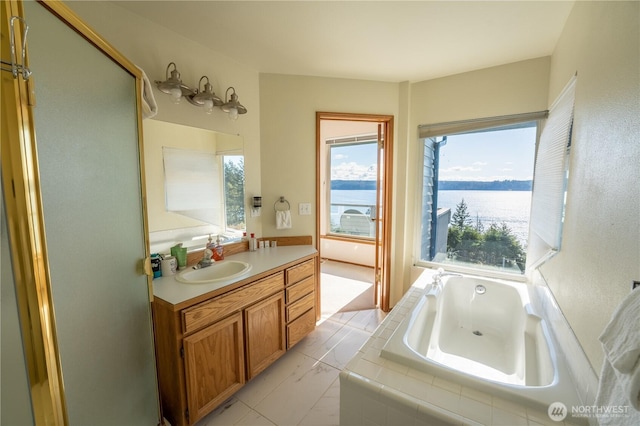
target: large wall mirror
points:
(195, 184)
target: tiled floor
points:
(302, 387)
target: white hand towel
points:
(283, 219)
(149, 105)
(620, 392)
(621, 337)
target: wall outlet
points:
(635, 284)
(304, 209)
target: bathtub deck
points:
(375, 390)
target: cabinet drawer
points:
(294, 310)
(300, 289)
(207, 312)
(301, 327)
(300, 271)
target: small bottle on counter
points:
(252, 242)
(218, 250)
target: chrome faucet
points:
(437, 278)
(206, 260)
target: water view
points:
(510, 207)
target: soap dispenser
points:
(218, 251)
(210, 244)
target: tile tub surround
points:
(583, 374)
(377, 391)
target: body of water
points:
(510, 207)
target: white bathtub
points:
(484, 334)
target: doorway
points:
(353, 181)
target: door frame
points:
(382, 286)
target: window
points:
(476, 192)
(234, 194)
(353, 171)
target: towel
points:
(283, 219)
(621, 337)
(621, 392)
(149, 105)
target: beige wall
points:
(600, 253)
(152, 47)
(288, 131)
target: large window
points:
(476, 197)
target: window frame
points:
(342, 142)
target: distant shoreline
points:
(443, 185)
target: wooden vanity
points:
(209, 345)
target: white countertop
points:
(262, 260)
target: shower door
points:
(90, 186)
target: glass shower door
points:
(86, 131)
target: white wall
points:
(152, 47)
(600, 253)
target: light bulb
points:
(233, 113)
(176, 95)
(208, 106)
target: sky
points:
(489, 156)
(354, 162)
(485, 156)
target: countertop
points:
(262, 260)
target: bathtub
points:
(484, 334)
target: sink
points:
(221, 270)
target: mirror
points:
(192, 224)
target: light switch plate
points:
(304, 209)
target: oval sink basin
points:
(221, 270)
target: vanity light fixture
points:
(173, 85)
(206, 97)
(232, 106)
(201, 97)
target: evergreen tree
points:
(234, 193)
(461, 217)
(496, 246)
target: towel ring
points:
(281, 201)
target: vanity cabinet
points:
(208, 347)
(301, 301)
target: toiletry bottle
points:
(218, 251)
(210, 244)
(244, 237)
(252, 242)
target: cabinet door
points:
(264, 323)
(214, 365)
